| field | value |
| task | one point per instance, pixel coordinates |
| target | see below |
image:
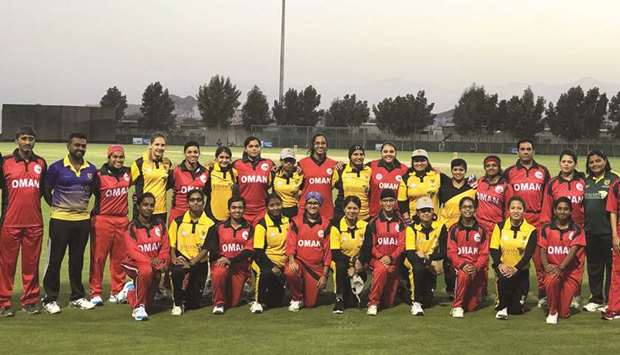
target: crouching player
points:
(147, 248)
(560, 242)
(309, 256)
(384, 244)
(468, 251)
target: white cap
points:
(423, 202)
(287, 153)
(420, 153)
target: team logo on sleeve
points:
(397, 227)
(37, 169)
(579, 186)
(245, 235)
(539, 175)
(379, 176)
(321, 234)
(157, 231)
(499, 189)
(477, 238)
(89, 176)
(329, 171)
(264, 166)
(399, 178)
(126, 177)
(203, 178)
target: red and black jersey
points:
(253, 179)
(182, 180)
(236, 245)
(318, 177)
(383, 176)
(613, 199)
(558, 187)
(491, 202)
(309, 241)
(143, 243)
(558, 242)
(383, 237)
(529, 184)
(112, 191)
(22, 188)
(468, 245)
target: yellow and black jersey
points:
(187, 236)
(287, 187)
(429, 241)
(270, 241)
(513, 246)
(347, 240)
(415, 185)
(352, 181)
(219, 190)
(449, 198)
(152, 176)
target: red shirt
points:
(558, 243)
(112, 191)
(383, 237)
(309, 242)
(318, 177)
(253, 178)
(559, 187)
(22, 186)
(143, 244)
(468, 245)
(613, 199)
(182, 181)
(383, 178)
(529, 184)
(491, 202)
(236, 245)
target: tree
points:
(576, 115)
(157, 108)
(614, 113)
(255, 111)
(113, 98)
(524, 115)
(476, 111)
(298, 108)
(217, 101)
(404, 115)
(347, 112)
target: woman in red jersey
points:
(386, 173)
(317, 170)
(187, 176)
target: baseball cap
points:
(423, 202)
(388, 193)
(420, 153)
(287, 153)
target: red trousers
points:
(468, 290)
(384, 285)
(613, 301)
(302, 284)
(560, 291)
(11, 240)
(145, 279)
(228, 283)
(540, 273)
(106, 239)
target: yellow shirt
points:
(287, 188)
(272, 239)
(188, 237)
(351, 182)
(424, 240)
(150, 176)
(511, 243)
(348, 240)
(412, 187)
(220, 188)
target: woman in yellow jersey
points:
(219, 189)
(419, 181)
(150, 173)
(270, 256)
(346, 239)
(452, 190)
(512, 246)
(425, 247)
(353, 180)
(287, 183)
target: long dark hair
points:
(601, 154)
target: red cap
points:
(115, 148)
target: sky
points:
(71, 51)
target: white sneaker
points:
(372, 310)
(502, 314)
(121, 297)
(52, 307)
(457, 312)
(552, 319)
(139, 313)
(113, 299)
(592, 307)
(295, 306)
(218, 309)
(416, 309)
(177, 310)
(97, 301)
(82, 303)
(603, 309)
(256, 308)
(542, 302)
(575, 303)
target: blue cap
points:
(314, 195)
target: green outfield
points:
(110, 329)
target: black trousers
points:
(269, 287)
(449, 275)
(510, 291)
(63, 234)
(598, 254)
(343, 283)
(424, 281)
(187, 284)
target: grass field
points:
(110, 329)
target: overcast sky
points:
(70, 51)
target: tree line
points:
(575, 115)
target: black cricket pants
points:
(187, 284)
(598, 256)
(510, 291)
(269, 287)
(424, 281)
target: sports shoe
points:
(113, 299)
(31, 309)
(218, 309)
(97, 301)
(542, 302)
(575, 303)
(121, 297)
(82, 303)
(51, 307)
(372, 310)
(6, 312)
(457, 312)
(339, 306)
(294, 306)
(416, 309)
(256, 308)
(502, 314)
(177, 310)
(611, 315)
(552, 319)
(603, 309)
(139, 313)
(592, 307)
